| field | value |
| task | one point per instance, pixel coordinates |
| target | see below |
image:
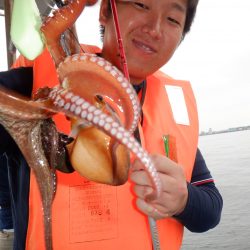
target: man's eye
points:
(140, 5)
(174, 21)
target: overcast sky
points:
(214, 57)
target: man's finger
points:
(150, 210)
(164, 165)
(142, 191)
(137, 165)
(141, 178)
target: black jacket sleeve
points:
(19, 80)
(204, 205)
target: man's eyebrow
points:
(180, 7)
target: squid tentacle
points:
(53, 27)
(56, 25)
(44, 174)
(23, 120)
(18, 107)
(73, 72)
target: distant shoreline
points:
(229, 130)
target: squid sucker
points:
(101, 105)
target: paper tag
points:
(93, 212)
(178, 104)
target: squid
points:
(101, 105)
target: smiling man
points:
(151, 32)
(91, 216)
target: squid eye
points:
(99, 98)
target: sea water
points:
(228, 158)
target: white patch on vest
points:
(92, 212)
(178, 104)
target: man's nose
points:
(153, 27)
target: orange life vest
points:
(91, 216)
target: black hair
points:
(191, 11)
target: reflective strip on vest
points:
(91, 216)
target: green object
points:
(25, 28)
(166, 144)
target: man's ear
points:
(104, 12)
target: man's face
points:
(151, 30)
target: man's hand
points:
(173, 198)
